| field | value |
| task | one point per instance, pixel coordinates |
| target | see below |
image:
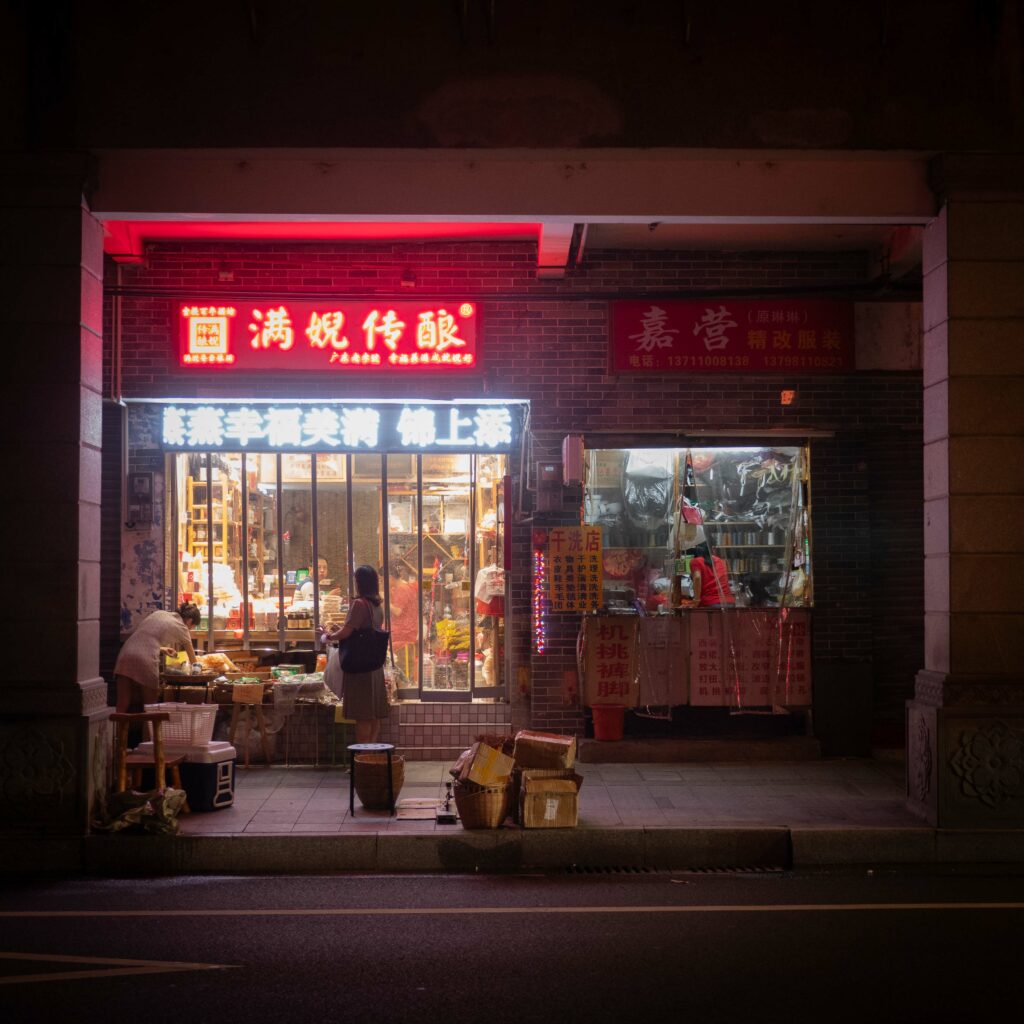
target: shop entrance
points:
(267, 545)
(707, 586)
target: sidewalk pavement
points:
(831, 814)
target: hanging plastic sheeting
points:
(755, 658)
(662, 663)
(647, 487)
(754, 485)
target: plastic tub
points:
(609, 721)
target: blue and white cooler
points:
(207, 773)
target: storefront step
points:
(680, 749)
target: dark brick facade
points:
(546, 341)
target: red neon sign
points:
(283, 335)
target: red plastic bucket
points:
(608, 721)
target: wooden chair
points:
(135, 763)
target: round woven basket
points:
(371, 779)
(481, 806)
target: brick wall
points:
(546, 341)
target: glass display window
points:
(738, 517)
(446, 497)
(334, 570)
(275, 539)
(403, 590)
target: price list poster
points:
(574, 568)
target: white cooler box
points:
(207, 773)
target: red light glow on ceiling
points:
(127, 238)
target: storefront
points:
(276, 442)
(710, 549)
(265, 539)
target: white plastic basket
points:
(190, 725)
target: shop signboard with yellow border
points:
(574, 568)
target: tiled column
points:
(53, 729)
(965, 727)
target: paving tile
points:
(280, 804)
(274, 817)
(317, 829)
(318, 817)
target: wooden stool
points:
(261, 724)
(158, 761)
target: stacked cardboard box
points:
(545, 789)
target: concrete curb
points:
(509, 850)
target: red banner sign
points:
(284, 335)
(732, 336)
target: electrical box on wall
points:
(549, 486)
(572, 459)
(140, 498)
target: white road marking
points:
(739, 908)
(124, 967)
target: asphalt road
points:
(661, 946)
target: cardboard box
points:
(486, 766)
(544, 750)
(547, 800)
(516, 783)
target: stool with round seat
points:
(369, 748)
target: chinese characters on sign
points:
(732, 336)
(610, 660)
(750, 659)
(574, 568)
(282, 335)
(471, 426)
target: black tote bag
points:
(364, 650)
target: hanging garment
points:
(489, 591)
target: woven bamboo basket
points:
(482, 806)
(371, 779)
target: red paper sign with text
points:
(732, 336)
(284, 335)
(750, 658)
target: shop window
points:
(444, 572)
(747, 506)
(275, 539)
(403, 570)
(296, 544)
(332, 561)
(489, 572)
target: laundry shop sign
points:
(756, 336)
(351, 426)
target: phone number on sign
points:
(796, 362)
(707, 360)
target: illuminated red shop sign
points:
(282, 335)
(732, 336)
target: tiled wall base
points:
(420, 732)
(439, 732)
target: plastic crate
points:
(190, 725)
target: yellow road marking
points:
(747, 908)
(124, 967)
